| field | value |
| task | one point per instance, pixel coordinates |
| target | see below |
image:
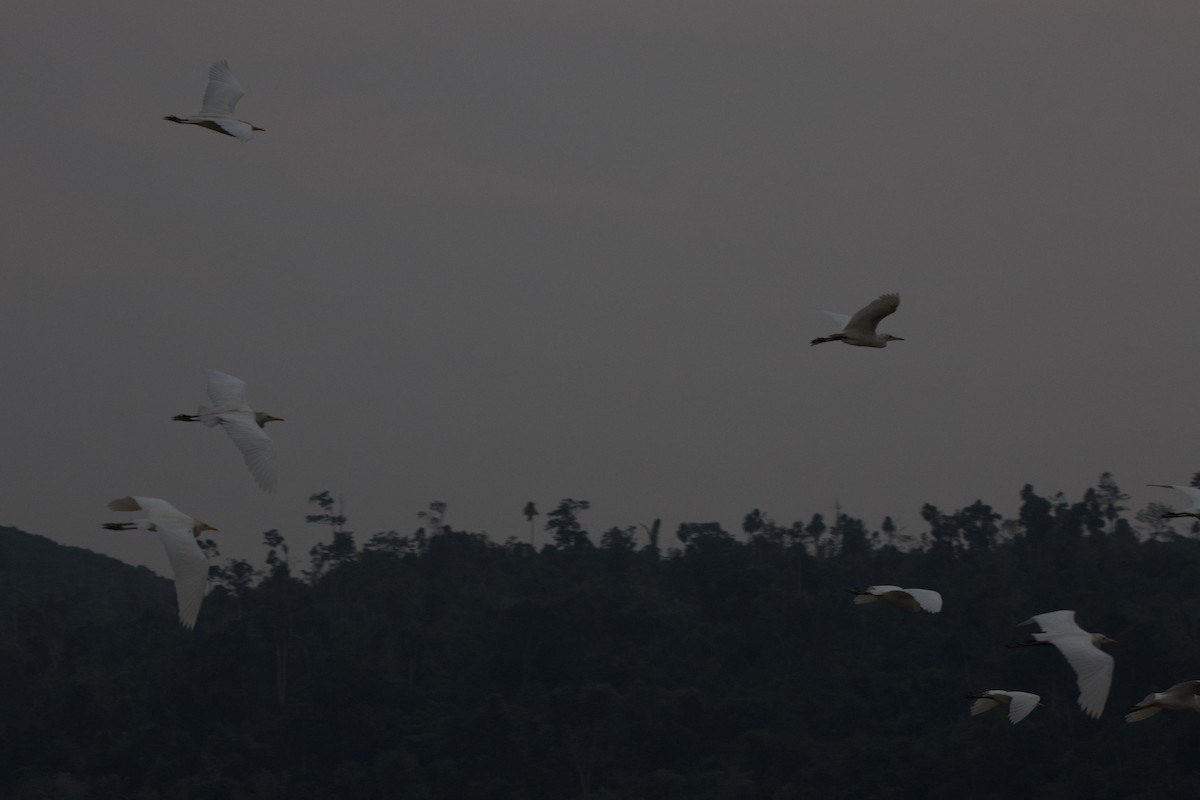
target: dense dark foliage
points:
(447, 665)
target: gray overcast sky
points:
(487, 253)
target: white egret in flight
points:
(1192, 493)
(860, 329)
(220, 97)
(908, 599)
(1093, 667)
(178, 533)
(1020, 704)
(1180, 697)
(243, 424)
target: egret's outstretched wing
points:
(226, 392)
(908, 599)
(124, 504)
(1180, 697)
(258, 451)
(1143, 710)
(177, 532)
(1182, 692)
(1021, 705)
(1093, 667)
(188, 564)
(984, 704)
(873, 594)
(1093, 671)
(841, 320)
(866, 318)
(1057, 623)
(157, 509)
(927, 599)
(223, 91)
(1192, 492)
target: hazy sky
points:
(487, 253)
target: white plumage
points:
(908, 599)
(1093, 667)
(1192, 493)
(177, 532)
(1180, 697)
(221, 96)
(243, 424)
(1019, 704)
(859, 329)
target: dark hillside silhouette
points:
(714, 664)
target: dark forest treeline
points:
(722, 665)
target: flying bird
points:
(860, 329)
(1193, 494)
(243, 424)
(1180, 697)
(908, 599)
(1019, 704)
(178, 533)
(1093, 667)
(223, 93)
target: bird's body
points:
(243, 424)
(1180, 697)
(222, 95)
(1093, 667)
(1019, 704)
(859, 330)
(1192, 493)
(177, 532)
(908, 599)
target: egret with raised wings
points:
(1093, 667)
(222, 95)
(1192, 493)
(1180, 697)
(243, 424)
(1019, 704)
(908, 599)
(178, 533)
(859, 329)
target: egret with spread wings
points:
(178, 533)
(243, 424)
(1093, 667)
(222, 95)
(859, 329)
(908, 599)
(1192, 493)
(1019, 704)
(1180, 697)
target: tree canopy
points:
(445, 664)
